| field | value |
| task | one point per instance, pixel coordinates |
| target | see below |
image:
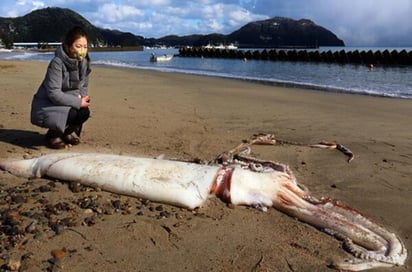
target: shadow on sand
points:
(22, 138)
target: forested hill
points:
(280, 31)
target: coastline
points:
(148, 113)
(391, 81)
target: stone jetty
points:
(369, 57)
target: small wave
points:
(329, 88)
(114, 63)
(22, 56)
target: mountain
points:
(116, 37)
(46, 25)
(280, 31)
(50, 25)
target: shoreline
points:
(324, 89)
(148, 113)
(279, 84)
(389, 90)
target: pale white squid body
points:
(173, 182)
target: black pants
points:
(78, 116)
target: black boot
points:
(54, 140)
(69, 137)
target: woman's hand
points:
(85, 101)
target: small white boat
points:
(165, 57)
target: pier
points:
(369, 57)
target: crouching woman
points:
(61, 103)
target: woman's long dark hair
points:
(72, 35)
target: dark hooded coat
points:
(66, 81)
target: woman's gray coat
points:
(66, 81)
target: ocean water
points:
(347, 78)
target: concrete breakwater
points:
(369, 57)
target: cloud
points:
(112, 13)
(357, 22)
(239, 17)
(370, 22)
(19, 7)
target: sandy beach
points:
(147, 113)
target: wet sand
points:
(146, 113)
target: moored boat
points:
(165, 57)
(221, 46)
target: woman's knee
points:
(78, 116)
(84, 114)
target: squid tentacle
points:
(369, 243)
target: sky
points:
(357, 22)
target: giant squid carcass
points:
(235, 178)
